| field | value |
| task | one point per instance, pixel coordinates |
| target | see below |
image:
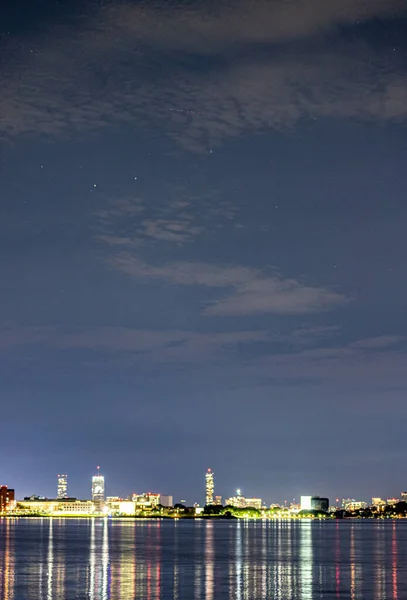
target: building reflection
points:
(394, 562)
(50, 561)
(264, 553)
(176, 565)
(209, 560)
(306, 560)
(239, 562)
(99, 560)
(148, 561)
(153, 561)
(7, 563)
(352, 563)
(198, 571)
(380, 562)
(337, 562)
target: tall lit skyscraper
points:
(209, 487)
(98, 486)
(62, 490)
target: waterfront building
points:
(146, 501)
(218, 501)
(6, 498)
(404, 496)
(378, 503)
(59, 506)
(120, 507)
(209, 487)
(356, 505)
(98, 486)
(314, 503)
(167, 501)
(62, 488)
(347, 501)
(240, 501)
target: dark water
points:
(99, 559)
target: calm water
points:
(103, 559)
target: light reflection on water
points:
(103, 559)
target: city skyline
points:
(203, 245)
(99, 494)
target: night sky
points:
(203, 246)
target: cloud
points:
(216, 359)
(177, 218)
(377, 343)
(251, 291)
(197, 27)
(341, 366)
(149, 66)
(181, 346)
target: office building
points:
(218, 501)
(240, 501)
(378, 503)
(62, 489)
(98, 486)
(356, 505)
(6, 498)
(404, 496)
(314, 503)
(146, 501)
(209, 487)
(167, 501)
(115, 505)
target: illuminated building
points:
(146, 501)
(314, 503)
(62, 490)
(404, 496)
(58, 506)
(209, 487)
(218, 501)
(355, 505)
(346, 501)
(6, 498)
(240, 501)
(167, 501)
(378, 502)
(119, 506)
(98, 486)
(392, 501)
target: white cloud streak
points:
(250, 290)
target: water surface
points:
(51, 559)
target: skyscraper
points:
(98, 486)
(62, 490)
(209, 487)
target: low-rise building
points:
(166, 500)
(314, 503)
(378, 502)
(240, 501)
(7, 500)
(54, 506)
(146, 501)
(356, 505)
